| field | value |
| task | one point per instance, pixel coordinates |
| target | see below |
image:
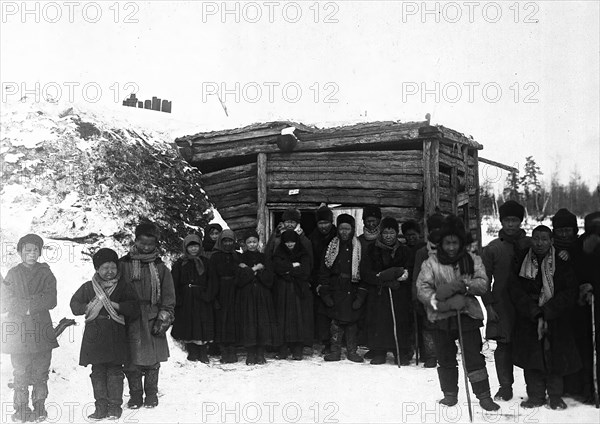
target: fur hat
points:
(564, 219)
(369, 211)
(324, 214)
(511, 208)
(289, 235)
(32, 239)
(103, 256)
(389, 222)
(453, 226)
(435, 221)
(147, 229)
(291, 214)
(250, 233)
(345, 219)
(588, 221)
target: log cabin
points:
(252, 174)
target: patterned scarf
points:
(371, 235)
(103, 290)
(334, 248)
(529, 270)
(149, 258)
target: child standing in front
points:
(107, 304)
(28, 294)
(256, 314)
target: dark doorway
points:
(308, 220)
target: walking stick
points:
(394, 321)
(464, 365)
(595, 352)
(416, 337)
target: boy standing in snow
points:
(28, 294)
(106, 304)
(143, 269)
(448, 283)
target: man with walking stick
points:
(447, 285)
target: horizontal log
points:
(233, 199)
(498, 165)
(462, 198)
(220, 189)
(238, 210)
(350, 197)
(350, 183)
(242, 222)
(403, 214)
(229, 174)
(385, 168)
(347, 156)
(342, 176)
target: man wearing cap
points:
(371, 217)
(320, 239)
(499, 260)
(290, 220)
(342, 290)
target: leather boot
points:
(251, 355)
(99, 387)
(233, 358)
(151, 387)
(39, 410)
(449, 385)
(38, 398)
(337, 333)
(379, 357)
(21, 403)
(192, 352)
(224, 354)
(202, 351)
(114, 386)
(481, 388)
(352, 344)
(136, 391)
(283, 352)
(297, 349)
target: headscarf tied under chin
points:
(219, 244)
(189, 239)
(149, 258)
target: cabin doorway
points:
(309, 220)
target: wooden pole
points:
(468, 205)
(431, 177)
(477, 199)
(262, 211)
(454, 189)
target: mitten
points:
(327, 300)
(393, 284)
(358, 302)
(449, 289)
(162, 323)
(585, 294)
(389, 274)
(455, 303)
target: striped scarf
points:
(103, 290)
(334, 248)
(529, 270)
(149, 258)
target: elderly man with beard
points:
(342, 290)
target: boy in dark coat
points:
(447, 285)
(385, 269)
(320, 239)
(28, 294)
(293, 299)
(543, 291)
(499, 261)
(256, 318)
(194, 316)
(223, 269)
(425, 327)
(342, 290)
(106, 304)
(143, 269)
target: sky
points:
(521, 77)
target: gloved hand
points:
(392, 284)
(390, 274)
(358, 302)
(454, 303)
(163, 321)
(585, 294)
(447, 290)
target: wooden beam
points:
(497, 164)
(477, 199)
(431, 182)
(398, 198)
(454, 189)
(262, 213)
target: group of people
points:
(331, 287)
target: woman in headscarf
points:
(293, 299)
(194, 317)
(211, 235)
(223, 268)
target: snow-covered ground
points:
(310, 391)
